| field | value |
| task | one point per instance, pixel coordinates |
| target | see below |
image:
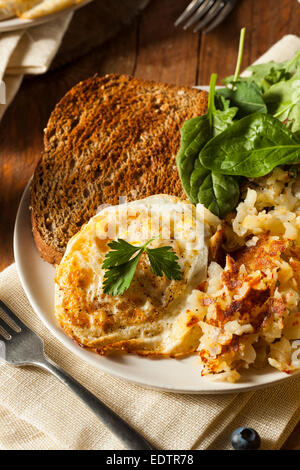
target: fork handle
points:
(126, 434)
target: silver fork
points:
(211, 12)
(20, 346)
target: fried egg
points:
(155, 316)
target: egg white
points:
(154, 316)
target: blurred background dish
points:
(14, 24)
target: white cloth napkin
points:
(38, 412)
(28, 52)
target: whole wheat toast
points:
(108, 137)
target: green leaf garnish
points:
(164, 261)
(117, 279)
(120, 253)
(120, 266)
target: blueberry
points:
(245, 439)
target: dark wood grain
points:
(165, 53)
(150, 48)
(96, 24)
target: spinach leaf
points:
(217, 151)
(230, 79)
(197, 178)
(251, 147)
(283, 101)
(222, 120)
(216, 192)
(265, 75)
(261, 71)
(219, 193)
(297, 136)
(278, 75)
(195, 133)
(221, 103)
(246, 96)
(242, 93)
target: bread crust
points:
(106, 138)
(47, 252)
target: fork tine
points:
(192, 6)
(221, 17)
(5, 330)
(213, 12)
(202, 10)
(12, 316)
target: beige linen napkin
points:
(28, 51)
(38, 412)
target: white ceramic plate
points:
(172, 375)
(14, 24)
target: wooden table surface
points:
(150, 48)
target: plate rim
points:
(92, 358)
(15, 23)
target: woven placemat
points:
(93, 25)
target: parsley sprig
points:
(120, 265)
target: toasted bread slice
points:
(108, 137)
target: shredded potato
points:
(251, 307)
